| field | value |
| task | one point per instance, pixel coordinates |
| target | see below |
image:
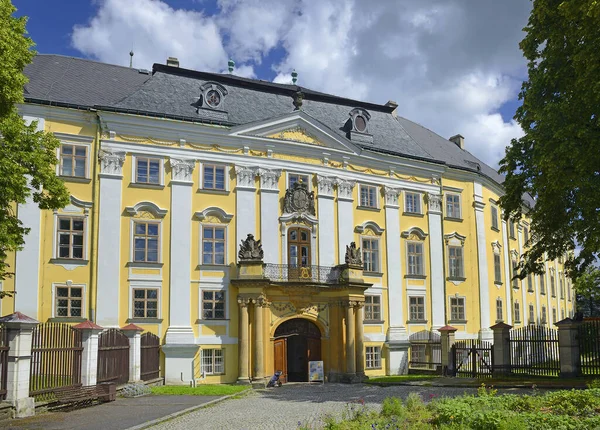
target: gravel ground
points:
(294, 404)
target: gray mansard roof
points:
(173, 92)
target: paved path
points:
(294, 404)
(117, 415)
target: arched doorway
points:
(297, 341)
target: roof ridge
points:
(89, 60)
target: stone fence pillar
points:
(20, 329)
(568, 348)
(447, 338)
(501, 348)
(89, 355)
(133, 332)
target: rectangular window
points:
(147, 170)
(145, 239)
(529, 283)
(213, 245)
(553, 315)
(213, 361)
(562, 314)
(372, 308)
(213, 177)
(515, 281)
(368, 196)
(73, 160)
(568, 291)
(542, 284)
(562, 288)
(497, 269)
(417, 355)
(544, 316)
(512, 230)
(453, 206)
(412, 203)
(531, 315)
(455, 261)
(373, 357)
(416, 308)
(145, 303)
(457, 308)
(552, 285)
(213, 305)
(294, 177)
(370, 255)
(415, 258)
(526, 235)
(499, 312)
(69, 301)
(494, 217)
(70, 237)
(517, 310)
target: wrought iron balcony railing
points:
(316, 274)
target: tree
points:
(557, 161)
(587, 288)
(27, 156)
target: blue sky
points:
(452, 65)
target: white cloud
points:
(450, 64)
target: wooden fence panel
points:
(534, 351)
(150, 357)
(589, 347)
(113, 356)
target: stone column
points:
(568, 348)
(436, 252)
(259, 345)
(360, 340)
(89, 355)
(245, 202)
(109, 245)
(350, 343)
(243, 377)
(134, 333)
(501, 348)
(482, 263)
(269, 212)
(447, 339)
(325, 206)
(345, 215)
(20, 328)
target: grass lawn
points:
(201, 390)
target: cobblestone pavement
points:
(293, 404)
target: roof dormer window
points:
(213, 95)
(360, 120)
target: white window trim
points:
(492, 217)
(459, 205)
(520, 320)
(213, 284)
(380, 306)
(224, 354)
(88, 158)
(502, 303)
(83, 298)
(457, 296)
(420, 194)
(377, 193)
(161, 159)
(379, 251)
(70, 263)
(424, 271)
(416, 293)
(380, 357)
(150, 285)
(292, 172)
(131, 241)
(201, 247)
(284, 240)
(201, 177)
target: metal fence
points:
(589, 347)
(473, 358)
(290, 273)
(534, 351)
(150, 357)
(55, 359)
(3, 361)
(425, 350)
(113, 356)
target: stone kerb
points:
(501, 348)
(89, 355)
(133, 333)
(447, 339)
(20, 335)
(568, 348)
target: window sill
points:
(211, 191)
(416, 322)
(415, 214)
(77, 179)
(512, 237)
(373, 322)
(73, 262)
(530, 291)
(138, 320)
(373, 274)
(147, 186)
(208, 321)
(450, 218)
(496, 229)
(144, 264)
(457, 322)
(67, 319)
(215, 267)
(415, 276)
(368, 208)
(373, 368)
(456, 279)
(498, 283)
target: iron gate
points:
(589, 347)
(150, 359)
(3, 361)
(473, 358)
(113, 357)
(534, 351)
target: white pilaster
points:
(245, 202)
(269, 213)
(89, 355)
(133, 333)
(508, 317)
(484, 288)
(436, 253)
(345, 215)
(109, 244)
(325, 205)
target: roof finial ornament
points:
(131, 59)
(294, 76)
(231, 65)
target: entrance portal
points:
(297, 341)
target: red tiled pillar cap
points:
(88, 325)
(447, 328)
(131, 327)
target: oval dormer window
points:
(360, 123)
(213, 98)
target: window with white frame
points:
(213, 361)
(372, 308)
(544, 316)
(416, 308)
(147, 170)
(455, 262)
(457, 308)
(553, 315)
(368, 196)
(213, 305)
(531, 314)
(515, 280)
(417, 355)
(562, 286)
(370, 250)
(412, 203)
(569, 291)
(69, 301)
(70, 233)
(214, 177)
(414, 258)
(542, 284)
(530, 283)
(494, 210)
(517, 312)
(562, 314)
(525, 234)
(145, 302)
(373, 357)
(512, 230)
(146, 239)
(497, 269)
(213, 245)
(453, 206)
(552, 285)
(73, 160)
(499, 310)
(296, 177)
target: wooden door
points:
(313, 349)
(299, 255)
(280, 358)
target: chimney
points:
(458, 140)
(173, 62)
(392, 104)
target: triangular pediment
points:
(296, 127)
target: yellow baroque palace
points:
(374, 231)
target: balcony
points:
(309, 274)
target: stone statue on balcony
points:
(353, 255)
(250, 249)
